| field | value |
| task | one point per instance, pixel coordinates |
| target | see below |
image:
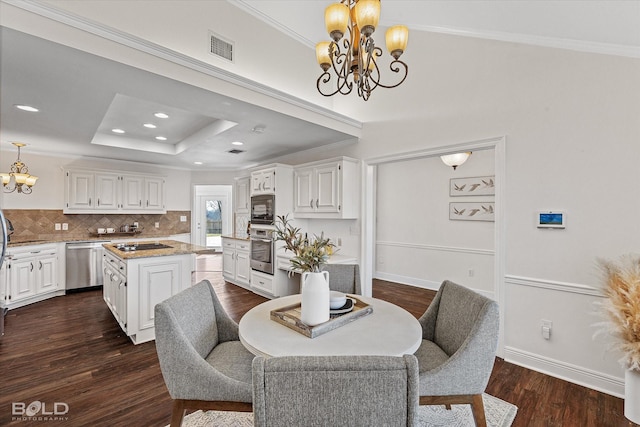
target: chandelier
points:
(18, 178)
(356, 63)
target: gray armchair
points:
(344, 278)
(460, 335)
(203, 363)
(311, 391)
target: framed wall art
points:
(472, 211)
(474, 186)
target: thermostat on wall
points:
(551, 219)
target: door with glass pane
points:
(213, 217)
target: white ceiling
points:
(82, 96)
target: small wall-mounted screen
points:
(551, 220)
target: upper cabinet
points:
(263, 182)
(111, 191)
(243, 195)
(327, 189)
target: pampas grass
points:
(621, 306)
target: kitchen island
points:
(137, 276)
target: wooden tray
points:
(289, 316)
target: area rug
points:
(498, 412)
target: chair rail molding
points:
(574, 288)
(427, 247)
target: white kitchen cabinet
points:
(134, 286)
(327, 189)
(263, 181)
(115, 287)
(243, 195)
(236, 266)
(89, 191)
(30, 274)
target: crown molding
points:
(129, 40)
(528, 39)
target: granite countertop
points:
(237, 236)
(177, 248)
(102, 238)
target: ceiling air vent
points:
(235, 151)
(220, 47)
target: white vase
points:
(315, 298)
(632, 395)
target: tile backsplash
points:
(36, 224)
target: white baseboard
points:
(575, 374)
(420, 283)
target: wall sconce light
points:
(456, 159)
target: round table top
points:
(388, 331)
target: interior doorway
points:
(212, 215)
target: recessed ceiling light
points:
(117, 131)
(197, 163)
(161, 115)
(161, 138)
(237, 143)
(150, 125)
(28, 108)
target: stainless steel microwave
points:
(263, 209)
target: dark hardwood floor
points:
(70, 349)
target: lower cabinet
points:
(133, 287)
(29, 274)
(236, 262)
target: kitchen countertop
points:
(102, 238)
(237, 236)
(177, 248)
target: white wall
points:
(416, 242)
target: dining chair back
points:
(344, 278)
(456, 357)
(310, 391)
(203, 363)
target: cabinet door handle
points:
(147, 203)
(140, 203)
(317, 204)
(311, 204)
(39, 265)
(98, 201)
(89, 201)
(30, 266)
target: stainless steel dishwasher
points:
(84, 265)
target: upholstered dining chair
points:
(344, 278)
(203, 363)
(311, 391)
(460, 335)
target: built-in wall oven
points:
(263, 208)
(262, 250)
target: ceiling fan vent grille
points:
(220, 47)
(235, 151)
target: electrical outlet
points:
(65, 226)
(135, 224)
(183, 218)
(546, 328)
(471, 272)
(58, 226)
(157, 225)
(339, 241)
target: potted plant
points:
(621, 308)
(309, 254)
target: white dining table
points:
(388, 331)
